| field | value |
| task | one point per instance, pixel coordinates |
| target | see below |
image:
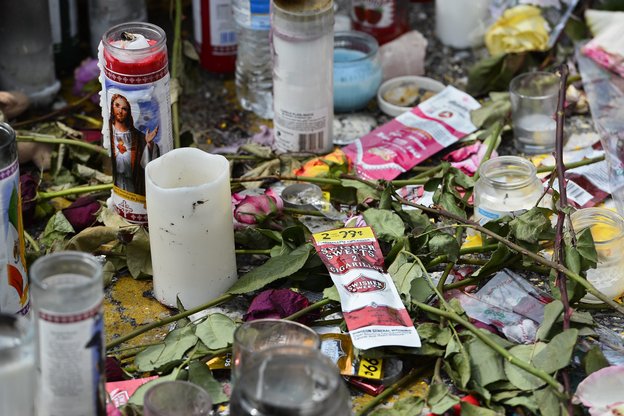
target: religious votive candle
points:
(191, 228)
(460, 23)
(68, 296)
(303, 51)
(14, 293)
(17, 366)
(136, 110)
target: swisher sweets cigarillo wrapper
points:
(136, 109)
(371, 305)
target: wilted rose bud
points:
(82, 212)
(28, 190)
(250, 210)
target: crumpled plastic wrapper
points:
(521, 28)
(606, 48)
(396, 62)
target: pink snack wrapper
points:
(414, 136)
(120, 391)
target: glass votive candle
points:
(357, 70)
(533, 106)
(607, 230)
(290, 380)
(177, 398)
(17, 365)
(507, 186)
(255, 336)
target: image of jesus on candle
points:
(131, 148)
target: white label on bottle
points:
(70, 360)
(197, 22)
(249, 18)
(222, 29)
(301, 132)
(14, 297)
(483, 215)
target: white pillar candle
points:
(190, 226)
(461, 23)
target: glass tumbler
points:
(533, 107)
(177, 398)
(290, 381)
(255, 336)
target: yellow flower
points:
(521, 28)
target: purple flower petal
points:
(113, 369)
(28, 190)
(275, 303)
(81, 213)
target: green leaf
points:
(458, 367)
(572, 258)
(497, 261)
(91, 238)
(450, 204)
(468, 409)
(524, 401)
(420, 290)
(586, 248)
(56, 229)
(552, 312)
(138, 255)
(387, 225)
(139, 394)
(273, 269)
(405, 407)
(108, 272)
(417, 221)
(494, 73)
(558, 352)
(364, 191)
(492, 111)
(216, 331)
(200, 374)
(403, 273)
(442, 243)
(547, 402)
(594, 360)
(440, 399)
(331, 293)
(519, 377)
(531, 225)
(486, 365)
(175, 345)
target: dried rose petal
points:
(276, 304)
(113, 369)
(81, 213)
(28, 190)
(601, 391)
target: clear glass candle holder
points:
(255, 336)
(607, 229)
(357, 70)
(290, 380)
(17, 366)
(177, 398)
(507, 186)
(533, 106)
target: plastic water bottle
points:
(254, 70)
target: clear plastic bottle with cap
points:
(254, 82)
